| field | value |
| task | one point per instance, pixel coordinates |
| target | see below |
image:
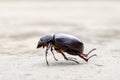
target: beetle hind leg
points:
(91, 51)
(85, 56)
(92, 56)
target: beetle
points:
(64, 43)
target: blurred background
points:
(23, 22)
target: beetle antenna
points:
(91, 51)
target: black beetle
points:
(64, 43)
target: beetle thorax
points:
(46, 38)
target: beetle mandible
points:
(64, 43)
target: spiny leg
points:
(70, 59)
(53, 54)
(46, 52)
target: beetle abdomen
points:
(69, 44)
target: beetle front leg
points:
(46, 52)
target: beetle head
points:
(44, 40)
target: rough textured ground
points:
(97, 24)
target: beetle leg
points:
(92, 56)
(86, 55)
(84, 58)
(53, 54)
(70, 59)
(91, 51)
(46, 52)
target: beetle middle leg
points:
(53, 54)
(70, 59)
